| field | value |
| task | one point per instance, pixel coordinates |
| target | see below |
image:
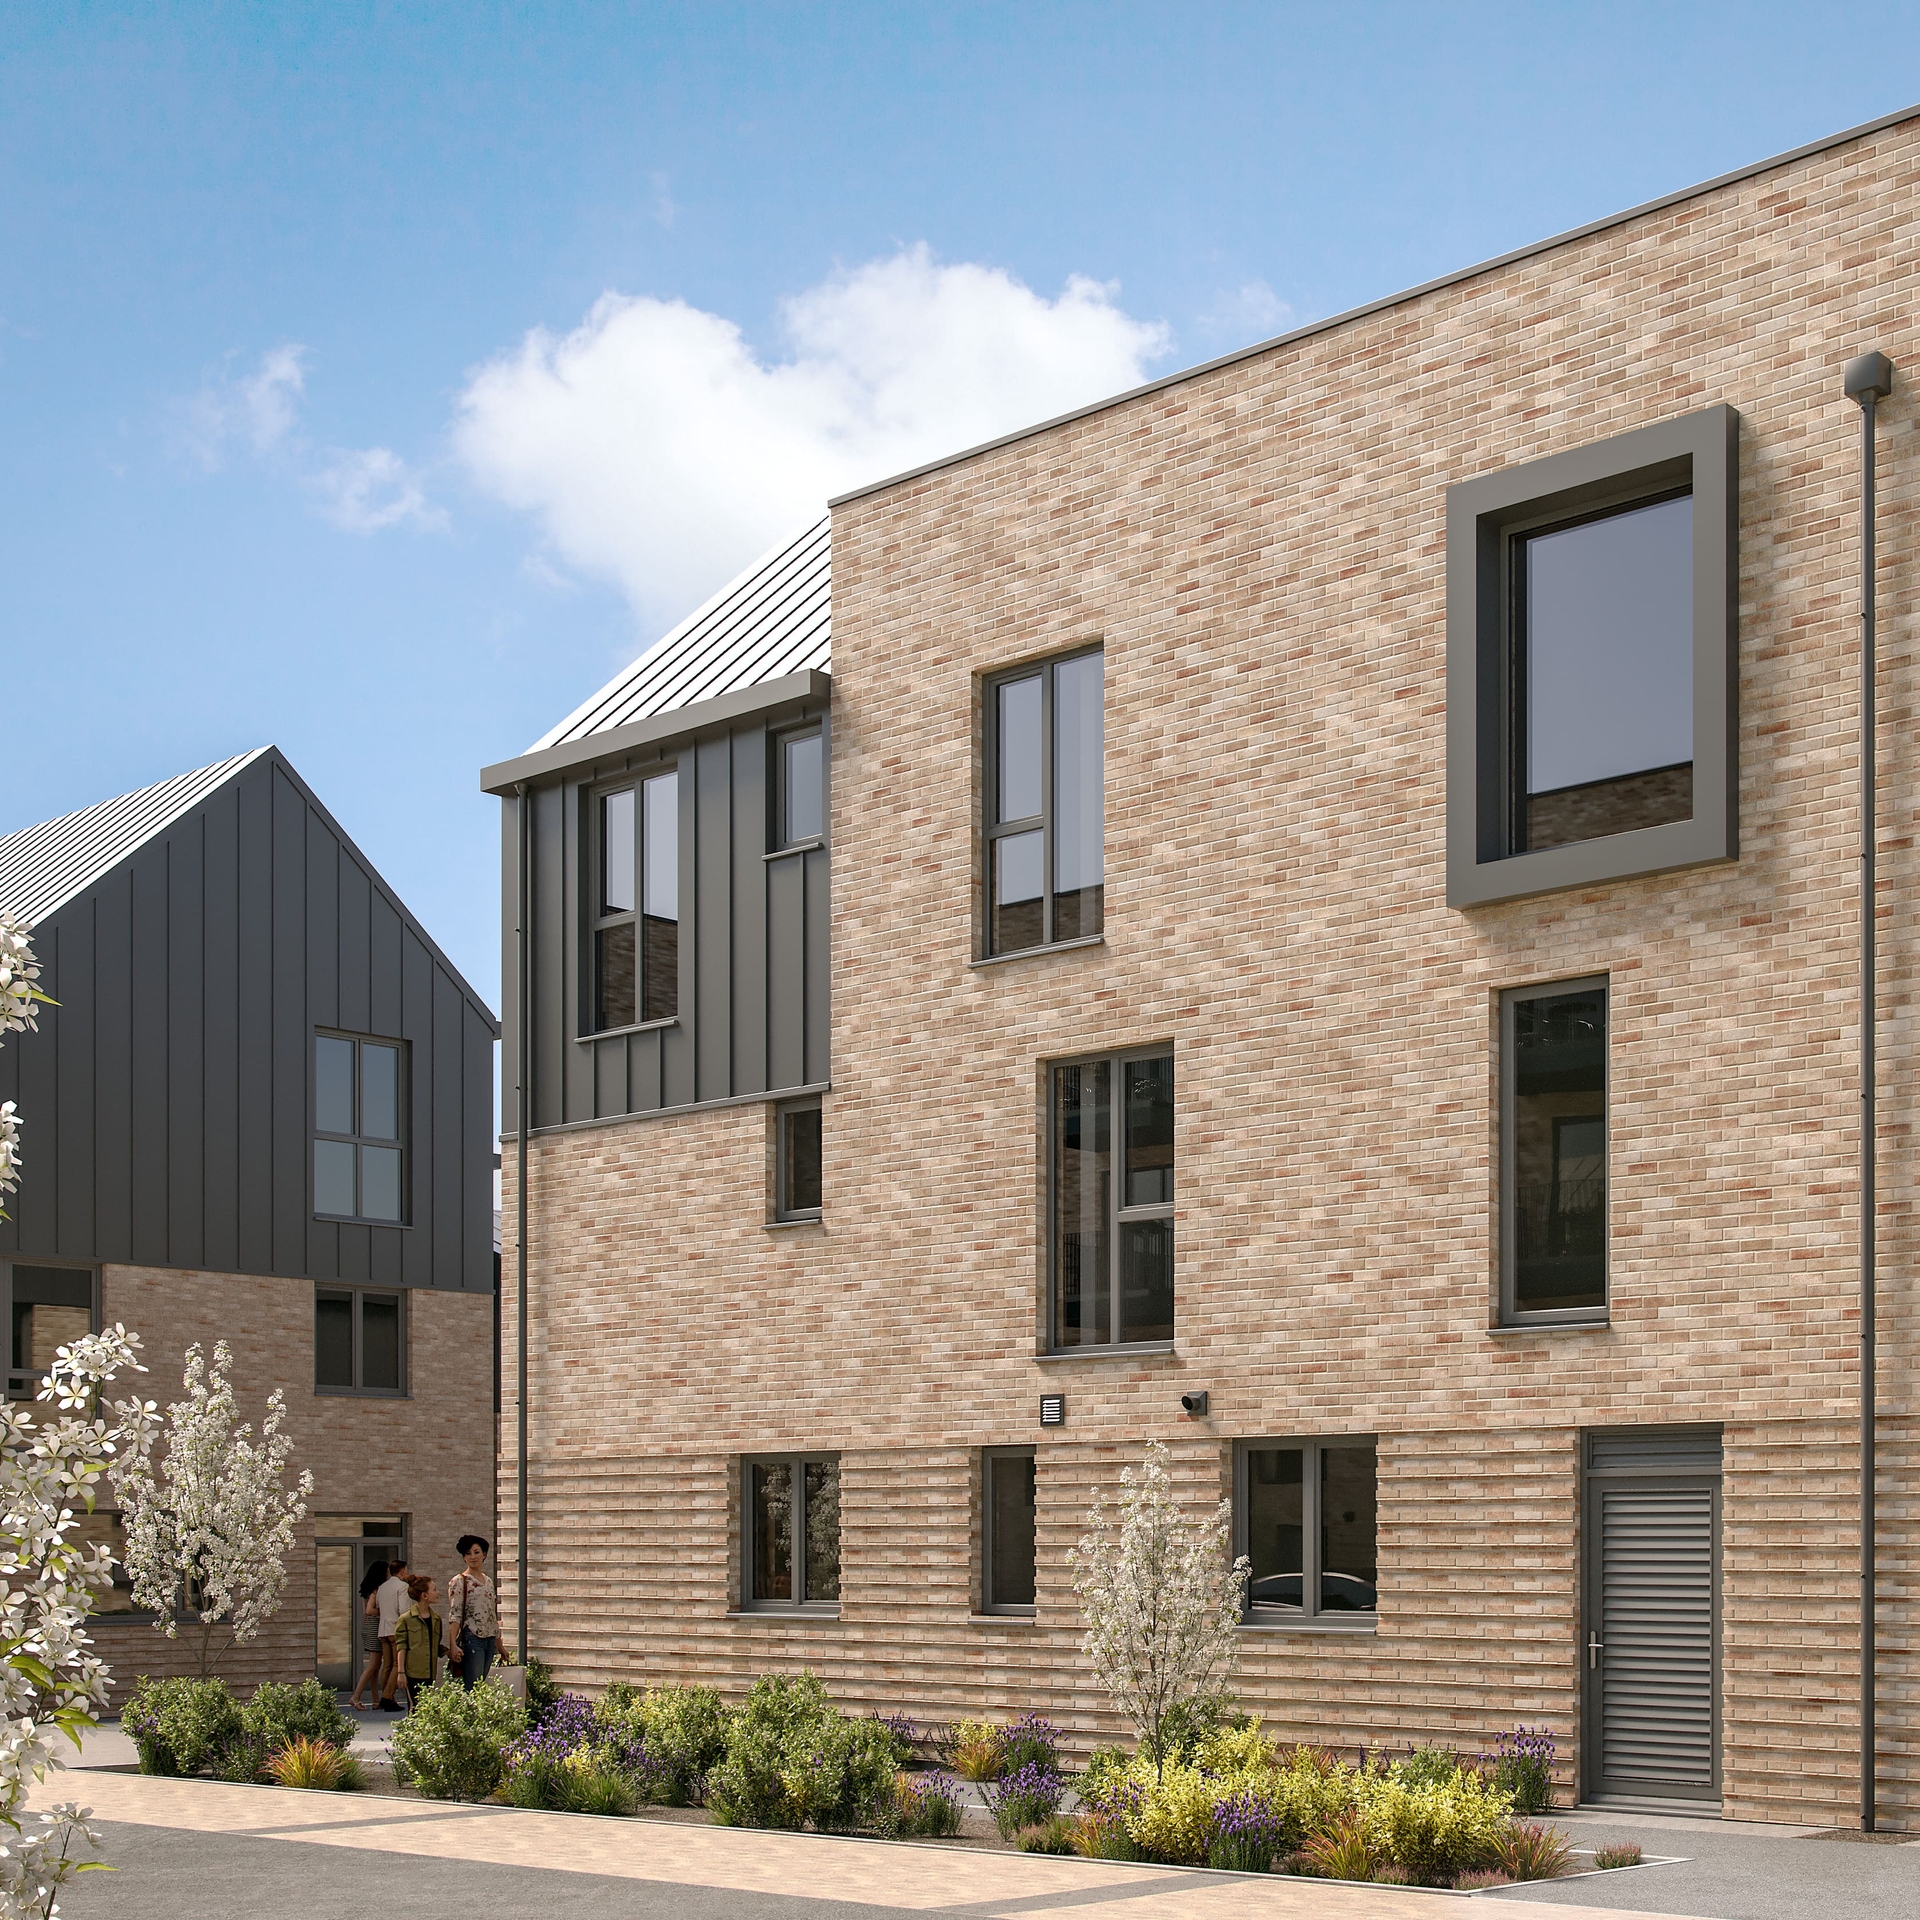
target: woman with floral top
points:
(473, 1622)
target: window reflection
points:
(773, 1532)
(1276, 1521)
(1557, 1207)
(1083, 1172)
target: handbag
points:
(459, 1643)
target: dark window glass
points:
(1604, 718)
(1276, 1528)
(616, 852)
(773, 1532)
(380, 1342)
(614, 977)
(1349, 1571)
(823, 1529)
(660, 915)
(333, 1340)
(1010, 1530)
(1082, 1203)
(803, 789)
(333, 1177)
(1557, 1167)
(1146, 1280)
(1309, 1520)
(1149, 1132)
(792, 1529)
(799, 1162)
(333, 1086)
(379, 1092)
(1079, 813)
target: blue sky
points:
(376, 380)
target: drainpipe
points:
(1867, 378)
(523, 1094)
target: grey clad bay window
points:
(1007, 1530)
(359, 1125)
(1591, 663)
(1553, 1152)
(790, 1533)
(635, 958)
(1306, 1513)
(1045, 867)
(359, 1341)
(1110, 1153)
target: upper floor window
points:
(1306, 1513)
(1046, 808)
(1553, 1152)
(359, 1341)
(796, 1179)
(1111, 1205)
(1590, 663)
(359, 1147)
(800, 789)
(636, 922)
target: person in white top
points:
(393, 1599)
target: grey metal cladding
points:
(1701, 448)
(201, 931)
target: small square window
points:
(797, 1161)
(1306, 1514)
(1591, 663)
(790, 1533)
(359, 1121)
(1008, 1532)
(359, 1341)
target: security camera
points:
(1194, 1404)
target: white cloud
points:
(257, 411)
(655, 449)
(1248, 314)
(368, 489)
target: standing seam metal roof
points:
(43, 867)
(772, 621)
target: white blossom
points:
(51, 1679)
(19, 995)
(1161, 1597)
(209, 1525)
(10, 1124)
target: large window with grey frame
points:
(635, 946)
(1306, 1514)
(1110, 1164)
(1045, 865)
(359, 1124)
(1008, 1531)
(47, 1308)
(1553, 1152)
(359, 1341)
(790, 1533)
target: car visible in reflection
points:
(1339, 1592)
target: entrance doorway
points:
(1650, 1644)
(345, 1547)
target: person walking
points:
(370, 1584)
(394, 1600)
(416, 1640)
(473, 1621)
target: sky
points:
(377, 380)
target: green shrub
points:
(1173, 1820)
(180, 1726)
(1427, 1767)
(792, 1758)
(683, 1734)
(596, 1785)
(926, 1806)
(241, 1757)
(1188, 1723)
(453, 1745)
(1054, 1835)
(279, 1713)
(536, 1779)
(1437, 1831)
(542, 1690)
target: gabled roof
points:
(43, 867)
(771, 622)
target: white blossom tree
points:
(1161, 1595)
(209, 1524)
(19, 995)
(51, 1680)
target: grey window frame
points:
(783, 1211)
(358, 1294)
(1308, 1619)
(780, 839)
(1510, 1314)
(1012, 1609)
(799, 1462)
(596, 920)
(1116, 1213)
(1699, 451)
(993, 829)
(403, 1097)
(23, 1383)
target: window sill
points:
(1359, 1630)
(1037, 953)
(1128, 1350)
(799, 846)
(358, 1220)
(1008, 1618)
(829, 1615)
(361, 1393)
(620, 1033)
(1521, 1329)
(798, 1220)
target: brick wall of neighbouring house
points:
(427, 1456)
(1261, 552)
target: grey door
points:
(1650, 1650)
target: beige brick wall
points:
(1260, 550)
(427, 1456)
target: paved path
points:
(196, 1847)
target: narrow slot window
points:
(635, 932)
(797, 1171)
(802, 789)
(1009, 1530)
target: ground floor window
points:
(103, 1528)
(1306, 1514)
(359, 1341)
(790, 1532)
(48, 1308)
(1007, 1486)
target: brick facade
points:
(1260, 550)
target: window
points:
(797, 1161)
(1553, 1158)
(48, 1307)
(358, 1341)
(800, 787)
(1046, 812)
(359, 1148)
(102, 1528)
(1007, 1531)
(1306, 1514)
(1591, 663)
(636, 922)
(790, 1539)
(1111, 1154)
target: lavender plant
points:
(1029, 1796)
(1248, 1832)
(928, 1803)
(1522, 1764)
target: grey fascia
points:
(1706, 444)
(678, 723)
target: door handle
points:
(1593, 1649)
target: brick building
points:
(260, 1113)
(1343, 902)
